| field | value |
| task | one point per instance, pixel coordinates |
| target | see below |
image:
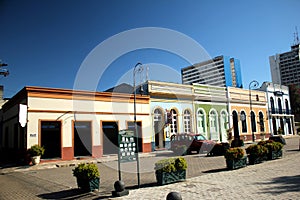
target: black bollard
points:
(119, 189)
(174, 196)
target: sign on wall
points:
(23, 114)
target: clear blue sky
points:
(45, 42)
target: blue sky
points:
(45, 42)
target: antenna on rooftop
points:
(296, 37)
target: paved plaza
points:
(207, 178)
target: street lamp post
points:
(252, 84)
(135, 69)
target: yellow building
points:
(249, 119)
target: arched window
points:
(223, 125)
(173, 125)
(187, 121)
(213, 124)
(253, 122)
(201, 121)
(279, 106)
(261, 122)
(244, 122)
(287, 110)
(157, 115)
(235, 124)
(272, 105)
(224, 120)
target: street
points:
(207, 179)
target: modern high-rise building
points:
(285, 67)
(220, 71)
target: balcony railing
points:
(280, 111)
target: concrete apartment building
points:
(221, 71)
(285, 67)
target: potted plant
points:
(35, 152)
(274, 149)
(170, 170)
(256, 153)
(87, 176)
(219, 149)
(235, 158)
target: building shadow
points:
(283, 184)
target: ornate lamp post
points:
(253, 84)
(137, 68)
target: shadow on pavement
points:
(66, 195)
(283, 184)
(141, 186)
(292, 150)
(215, 170)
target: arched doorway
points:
(235, 125)
(282, 126)
(274, 126)
(159, 129)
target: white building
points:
(279, 108)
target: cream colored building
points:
(177, 101)
(72, 124)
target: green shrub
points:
(180, 163)
(235, 153)
(219, 149)
(171, 165)
(36, 150)
(274, 146)
(86, 171)
(257, 150)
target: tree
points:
(294, 91)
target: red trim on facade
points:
(67, 153)
(97, 151)
(147, 147)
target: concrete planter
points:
(236, 164)
(164, 178)
(274, 155)
(36, 160)
(88, 185)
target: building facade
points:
(211, 111)
(281, 118)
(172, 111)
(248, 114)
(285, 67)
(220, 71)
(73, 124)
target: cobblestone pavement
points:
(207, 179)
